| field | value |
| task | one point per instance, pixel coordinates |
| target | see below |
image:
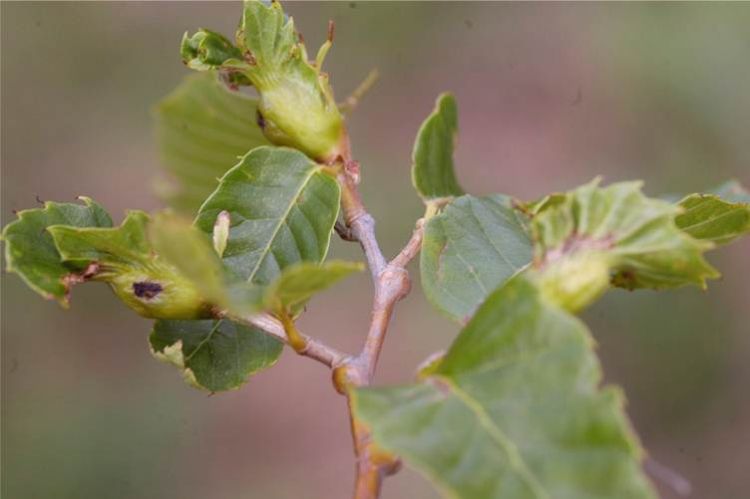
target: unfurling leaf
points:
(470, 249)
(30, 250)
(214, 355)
(202, 130)
(209, 50)
(514, 409)
(432, 170)
(124, 258)
(297, 107)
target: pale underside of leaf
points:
(513, 411)
(202, 129)
(470, 249)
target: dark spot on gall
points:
(146, 289)
(260, 120)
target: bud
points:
(221, 232)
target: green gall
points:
(124, 258)
(577, 280)
(158, 292)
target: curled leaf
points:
(30, 250)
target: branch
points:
(312, 348)
(392, 283)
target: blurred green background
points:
(550, 95)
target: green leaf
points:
(514, 410)
(202, 129)
(470, 249)
(124, 258)
(635, 237)
(432, 170)
(299, 282)
(282, 209)
(30, 250)
(214, 355)
(708, 217)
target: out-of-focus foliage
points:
(512, 410)
(202, 130)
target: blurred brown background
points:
(550, 95)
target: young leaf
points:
(513, 410)
(636, 235)
(299, 282)
(282, 208)
(123, 258)
(30, 250)
(432, 170)
(708, 217)
(215, 355)
(202, 129)
(207, 49)
(470, 249)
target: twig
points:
(392, 283)
(313, 348)
(351, 102)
